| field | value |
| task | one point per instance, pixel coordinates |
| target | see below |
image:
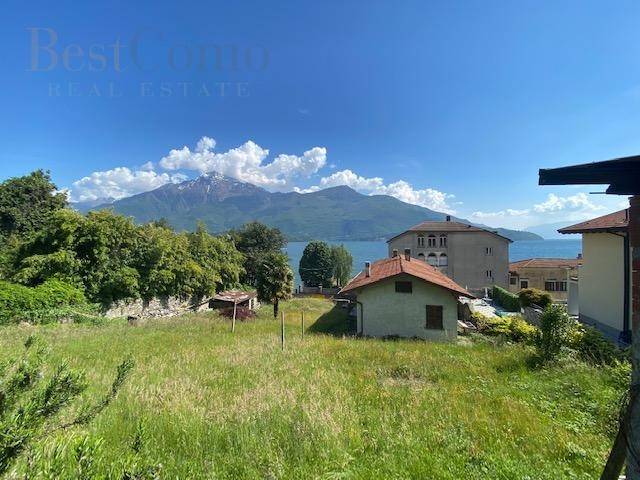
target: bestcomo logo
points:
(49, 53)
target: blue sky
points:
(451, 105)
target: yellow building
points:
(604, 279)
(548, 274)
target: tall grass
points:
(222, 405)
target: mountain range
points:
(337, 213)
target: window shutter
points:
(434, 317)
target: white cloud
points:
(119, 183)
(402, 190)
(247, 163)
(509, 212)
(577, 202)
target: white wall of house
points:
(601, 280)
(386, 312)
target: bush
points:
(555, 332)
(532, 296)
(507, 300)
(521, 331)
(593, 347)
(17, 300)
(515, 328)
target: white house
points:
(604, 279)
(405, 297)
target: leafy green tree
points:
(342, 264)
(274, 279)
(554, 335)
(316, 265)
(254, 240)
(27, 202)
(219, 260)
(30, 401)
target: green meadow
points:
(220, 405)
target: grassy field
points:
(217, 405)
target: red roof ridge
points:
(616, 221)
(393, 266)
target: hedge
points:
(17, 300)
(507, 300)
(533, 296)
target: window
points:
(488, 251)
(443, 241)
(421, 240)
(524, 283)
(421, 256)
(555, 286)
(431, 241)
(404, 287)
(513, 280)
(432, 260)
(434, 317)
(443, 261)
(489, 273)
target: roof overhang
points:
(621, 174)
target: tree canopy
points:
(342, 264)
(274, 279)
(27, 202)
(255, 240)
(114, 259)
(316, 265)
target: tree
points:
(274, 279)
(342, 264)
(254, 240)
(316, 265)
(30, 401)
(27, 202)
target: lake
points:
(370, 251)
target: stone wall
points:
(156, 307)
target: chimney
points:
(394, 254)
(407, 254)
(448, 218)
(367, 269)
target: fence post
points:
(303, 325)
(233, 321)
(282, 330)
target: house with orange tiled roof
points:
(549, 274)
(403, 296)
(604, 278)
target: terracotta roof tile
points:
(545, 263)
(390, 267)
(450, 226)
(613, 222)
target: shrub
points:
(555, 330)
(514, 327)
(507, 300)
(17, 300)
(593, 347)
(532, 296)
(521, 331)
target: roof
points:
(613, 222)
(391, 267)
(447, 227)
(621, 174)
(234, 296)
(545, 263)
